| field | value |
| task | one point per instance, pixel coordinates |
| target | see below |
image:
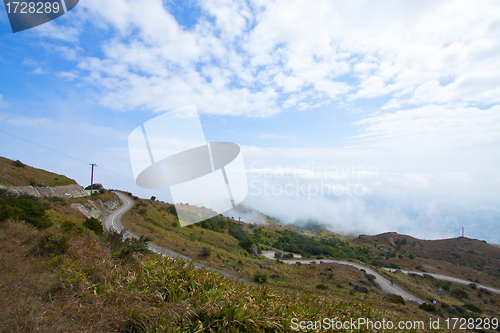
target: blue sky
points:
(409, 90)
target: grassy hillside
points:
(16, 173)
(464, 258)
(62, 273)
(227, 243)
(62, 277)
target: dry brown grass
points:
(11, 175)
(86, 289)
(463, 258)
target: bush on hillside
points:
(24, 208)
(370, 277)
(18, 164)
(134, 245)
(428, 307)
(429, 277)
(171, 210)
(70, 226)
(473, 308)
(396, 299)
(206, 251)
(51, 244)
(94, 225)
(459, 293)
(260, 277)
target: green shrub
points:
(206, 251)
(52, 244)
(473, 286)
(18, 164)
(485, 291)
(246, 243)
(321, 287)
(396, 299)
(134, 245)
(370, 277)
(142, 211)
(428, 307)
(459, 293)
(94, 225)
(171, 210)
(429, 277)
(473, 308)
(9, 212)
(114, 239)
(260, 277)
(70, 226)
(24, 208)
(288, 256)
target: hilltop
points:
(459, 257)
(16, 173)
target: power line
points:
(60, 153)
(36, 144)
(71, 157)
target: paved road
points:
(382, 281)
(449, 278)
(113, 222)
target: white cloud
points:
(432, 127)
(254, 53)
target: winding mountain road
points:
(448, 278)
(385, 284)
(113, 222)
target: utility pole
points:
(92, 178)
(463, 232)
